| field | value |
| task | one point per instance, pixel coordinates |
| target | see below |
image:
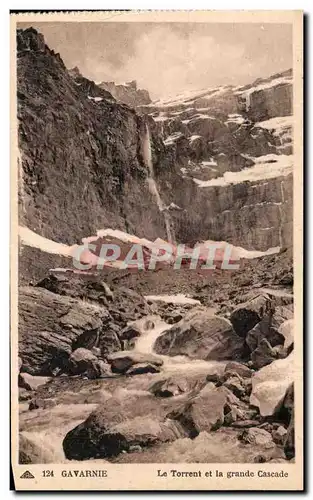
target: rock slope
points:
(221, 158)
(81, 153)
(210, 165)
(235, 144)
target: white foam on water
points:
(146, 341)
(46, 429)
(171, 364)
(179, 298)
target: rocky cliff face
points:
(221, 159)
(81, 160)
(233, 147)
(199, 167)
(127, 93)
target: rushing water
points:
(147, 154)
(171, 364)
(46, 428)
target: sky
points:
(168, 58)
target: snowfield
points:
(266, 167)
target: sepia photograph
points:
(156, 257)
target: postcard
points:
(156, 251)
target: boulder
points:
(173, 318)
(238, 368)
(235, 384)
(238, 413)
(287, 407)
(214, 377)
(281, 352)
(248, 314)
(48, 326)
(279, 435)
(286, 329)
(201, 335)
(270, 383)
(96, 351)
(24, 394)
(176, 385)
(269, 328)
(289, 443)
(263, 355)
(121, 361)
(205, 412)
(84, 362)
(124, 304)
(88, 340)
(142, 368)
(31, 383)
(109, 340)
(282, 313)
(98, 369)
(80, 360)
(83, 443)
(257, 437)
(45, 353)
(222, 446)
(243, 424)
(121, 422)
(263, 330)
(281, 297)
(41, 403)
(137, 328)
(130, 332)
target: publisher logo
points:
(27, 475)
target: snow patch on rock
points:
(266, 167)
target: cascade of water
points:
(153, 185)
(145, 343)
(171, 364)
(248, 101)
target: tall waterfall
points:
(153, 188)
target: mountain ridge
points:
(82, 165)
